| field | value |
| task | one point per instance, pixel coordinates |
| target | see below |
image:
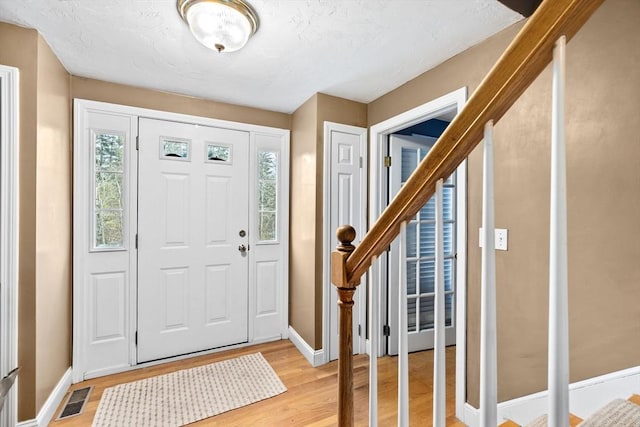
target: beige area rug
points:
(186, 396)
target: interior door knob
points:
(242, 248)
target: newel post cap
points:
(346, 234)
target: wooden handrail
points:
(525, 58)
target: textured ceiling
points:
(355, 49)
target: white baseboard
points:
(585, 398)
(314, 357)
(48, 410)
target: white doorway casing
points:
(378, 133)
(104, 334)
(9, 214)
(345, 203)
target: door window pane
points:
(448, 309)
(109, 153)
(412, 239)
(411, 277)
(268, 168)
(108, 190)
(411, 314)
(427, 276)
(109, 229)
(426, 312)
(218, 153)
(171, 149)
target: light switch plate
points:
(501, 239)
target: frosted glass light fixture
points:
(222, 25)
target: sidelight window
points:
(268, 166)
(108, 190)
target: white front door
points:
(406, 153)
(192, 238)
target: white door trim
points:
(377, 193)
(9, 218)
(360, 312)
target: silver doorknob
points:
(242, 248)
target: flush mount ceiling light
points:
(222, 25)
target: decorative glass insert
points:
(268, 164)
(218, 153)
(108, 190)
(174, 149)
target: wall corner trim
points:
(314, 357)
(48, 410)
(585, 398)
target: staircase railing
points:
(525, 58)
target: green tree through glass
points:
(109, 193)
(267, 195)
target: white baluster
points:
(403, 334)
(488, 343)
(558, 381)
(439, 375)
(373, 341)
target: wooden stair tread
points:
(574, 420)
(635, 399)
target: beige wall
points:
(20, 49)
(603, 148)
(44, 325)
(115, 93)
(53, 223)
(307, 152)
(302, 232)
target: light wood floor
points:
(311, 396)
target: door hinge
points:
(387, 161)
(361, 162)
(136, 338)
(136, 241)
(137, 142)
(386, 331)
(359, 330)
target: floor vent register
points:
(75, 403)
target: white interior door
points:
(345, 203)
(192, 238)
(406, 153)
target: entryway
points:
(180, 236)
(380, 189)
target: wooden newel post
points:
(346, 288)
